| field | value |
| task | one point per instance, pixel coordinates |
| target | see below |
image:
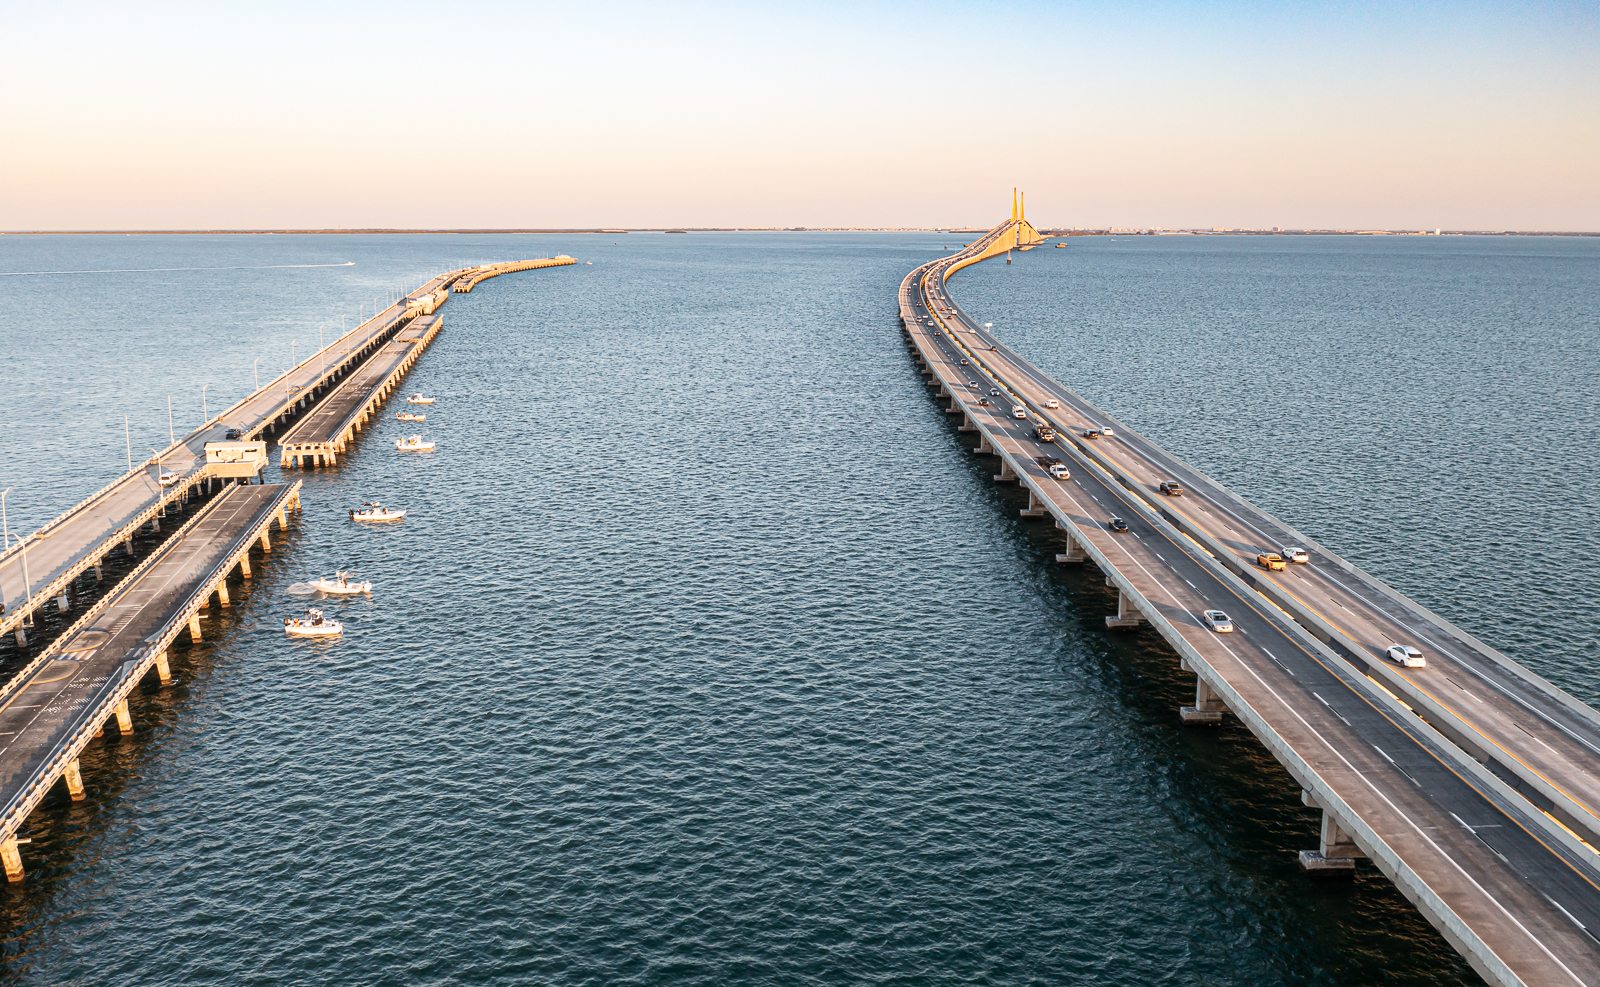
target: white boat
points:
(313, 624)
(373, 512)
(342, 585)
(413, 443)
(411, 416)
(419, 399)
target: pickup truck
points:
(1044, 433)
(1270, 561)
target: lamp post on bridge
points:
(127, 438)
(27, 581)
(205, 412)
(172, 439)
(255, 368)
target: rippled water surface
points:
(710, 655)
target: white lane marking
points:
(1385, 754)
(1463, 823)
(1569, 915)
(1193, 586)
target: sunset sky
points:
(501, 114)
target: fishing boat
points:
(342, 585)
(411, 416)
(420, 399)
(313, 624)
(372, 512)
(413, 443)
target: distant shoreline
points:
(1146, 231)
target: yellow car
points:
(1270, 561)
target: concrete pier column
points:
(266, 540)
(63, 602)
(73, 776)
(966, 425)
(954, 409)
(164, 667)
(244, 565)
(1128, 615)
(984, 448)
(127, 546)
(22, 636)
(283, 518)
(155, 523)
(1074, 554)
(222, 594)
(1336, 853)
(99, 572)
(194, 628)
(12, 857)
(1207, 709)
(1035, 509)
(124, 718)
(1006, 474)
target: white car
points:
(1406, 656)
(1296, 555)
(1059, 472)
(1218, 621)
(1052, 403)
(1018, 411)
(1105, 430)
(168, 478)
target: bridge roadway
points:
(324, 431)
(1540, 739)
(66, 695)
(1513, 897)
(44, 565)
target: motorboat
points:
(413, 443)
(313, 624)
(411, 416)
(373, 512)
(419, 399)
(342, 585)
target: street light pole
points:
(5, 528)
(255, 368)
(127, 439)
(205, 412)
(172, 439)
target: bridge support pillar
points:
(164, 667)
(124, 718)
(222, 593)
(1127, 616)
(244, 565)
(954, 409)
(155, 523)
(1035, 508)
(99, 572)
(966, 424)
(1207, 709)
(194, 627)
(1074, 553)
(984, 448)
(22, 636)
(266, 540)
(1006, 474)
(72, 774)
(63, 602)
(1336, 853)
(127, 546)
(12, 857)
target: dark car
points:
(1117, 524)
(1172, 488)
(985, 403)
(232, 435)
(963, 362)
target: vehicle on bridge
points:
(1219, 621)
(168, 478)
(1118, 525)
(1044, 433)
(1172, 488)
(1271, 561)
(1017, 411)
(1296, 555)
(1407, 656)
(1090, 433)
(1052, 404)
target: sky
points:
(1462, 115)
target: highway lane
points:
(1400, 772)
(1500, 710)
